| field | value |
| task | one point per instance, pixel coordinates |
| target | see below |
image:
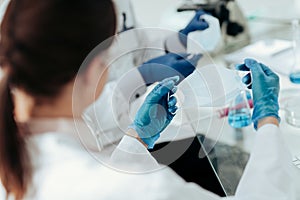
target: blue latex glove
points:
(265, 88)
(156, 112)
(168, 65)
(196, 24)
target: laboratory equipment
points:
(292, 111)
(265, 98)
(295, 72)
(218, 9)
(239, 112)
(126, 16)
(197, 24)
(233, 24)
(225, 111)
(220, 113)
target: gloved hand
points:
(196, 24)
(265, 88)
(167, 66)
(156, 112)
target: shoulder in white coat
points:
(71, 173)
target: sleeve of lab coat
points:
(161, 181)
(115, 102)
(268, 174)
(130, 150)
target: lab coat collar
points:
(77, 128)
(51, 139)
(44, 125)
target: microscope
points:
(233, 24)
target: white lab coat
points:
(64, 169)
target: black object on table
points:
(189, 166)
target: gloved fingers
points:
(267, 70)
(191, 58)
(248, 95)
(250, 63)
(241, 67)
(187, 61)
(169, 80)
(199, 13)
(171, 113)
(185, 67)
(180, 56)
(246, 66)
(247, 79)
(172, 101)
(202, 24)
(173, 90)
(172, 110)
(163, 88)
(255, 67)
(195, 58)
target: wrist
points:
(264, 108)
(267, 120)
(183, 32)
(132, 133)
(183, 37)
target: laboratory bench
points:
(228, 148)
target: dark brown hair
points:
(42, 46)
